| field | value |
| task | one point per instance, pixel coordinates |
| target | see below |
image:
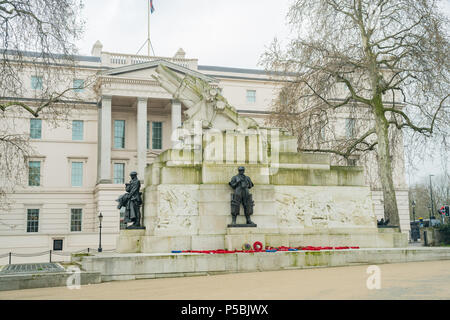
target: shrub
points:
(444, 232)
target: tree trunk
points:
(384, 164)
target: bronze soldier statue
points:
(132, 200)
(241, 185)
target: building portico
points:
(131, 92)
(138, 115)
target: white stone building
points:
(125, 120)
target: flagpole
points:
(148, 39)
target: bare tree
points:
(383, 63)
(36, 38)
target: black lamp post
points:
(429, 210)
(431, 198)
(100, 218)
(414, 210)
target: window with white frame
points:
(78, 85)
(77, 174)
(77, 130)
(34, 173)
(350, 127)
(119, 173)
(58, 244)
(156, 135)
(36, 82)
(148, 134)
(35, 128)
(76, 219)
(123, 224)
(251, 96)
(32, 220)
(322, 131)
(119, 134)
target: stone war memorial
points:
(191, 199)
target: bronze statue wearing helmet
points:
(241, 185)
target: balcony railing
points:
(118, 60)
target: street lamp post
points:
(429, 210)
(431, 196)
(100, 218)
(413, 225)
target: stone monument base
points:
(135, 241)
(129, 240)
(300, 200)
(237, 237)
(133, 266)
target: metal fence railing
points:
(52, 254)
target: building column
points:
(176, 119)
(104, 141)
(141, 137)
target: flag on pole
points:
(152, 8)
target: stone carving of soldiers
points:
(241, 185)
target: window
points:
(77, 174)
(157, 135)
(251, 96)
(322, 133)
(284, 97)
(36, 83)
(119, 173)
(75, 219)
(78, 85)
(307, 136)
(350, 127)
(34, 173)
(57, 244)
(353, 160)
(77, 129)
(123, 224)
(119, 134)
(32, 220)
(35, 128)
(148, 134)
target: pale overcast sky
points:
(218, 32)
(232, 33)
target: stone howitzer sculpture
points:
(203, 100)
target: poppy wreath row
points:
(257, 247)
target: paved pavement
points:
(417, 280)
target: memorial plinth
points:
(236, 237)
(186, 209)
(130, 240)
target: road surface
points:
(418, 280)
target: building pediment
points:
(147, 70)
